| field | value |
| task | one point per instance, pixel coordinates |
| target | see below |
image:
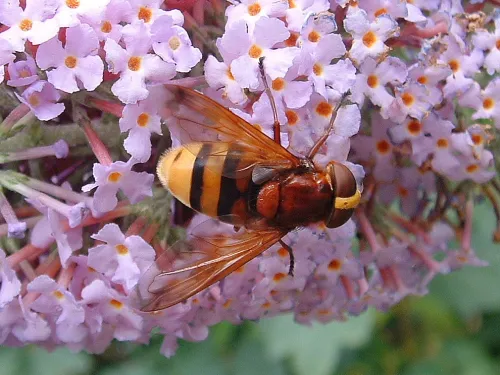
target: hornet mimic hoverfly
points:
(231, 171)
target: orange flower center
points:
(334, 265)
(254, 9)
(116, 304)
(34, 100)
(372, 81)
(414, 127)
(442, 143)
(324, 109)
(229, 74)
(383, 147)
(422, 80)
(314, 36)
(70, 61)
(121, 249)
(369, 39)
(145, 14)
(408, 99)
(58, 294)
(26, 24)
(278, 84)
(279, 277)
(134, 63)
(472, 168)
(497, 44)
(255, 51)
(454, 65)
(318, 69)
(477, 139)
(402, 191)
(380, 12)
(292, 117)
(143, 119)
(114, 177)
(106, 27)
(73, 4)
(488, 103)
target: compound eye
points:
(347, 195)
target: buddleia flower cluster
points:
(84, 121)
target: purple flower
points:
(22, 72)
(122, 259)
(10, 284)
(59, 307)
(136, 66)
(369, 37)
(140, 120)
(77, 64)
(173, 45)
(118, 176)
(251, 11)
(108, 24)
(70, 13)
(35, 23)
(247, 49)
(42, 99)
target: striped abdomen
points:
(195, 174)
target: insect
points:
(229, 170)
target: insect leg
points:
(292, 258)
(276, 125)
(325, 135)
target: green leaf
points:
(462, 357)
(317, 349)
(33, 360)
(475, 289)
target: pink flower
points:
(77, 64)
(251, 11)
(22, 72)
(140, 120)
(10, 284)
(369, 37)
(136, 66)
(108, 24)
(42, 99)
(70, 13)
(35, 23)
(247, 49)
(172, 44)
(122, 259)
(118, 176)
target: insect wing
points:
(204, 261)
(201, 119)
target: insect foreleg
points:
(292, 258)
(276, 124)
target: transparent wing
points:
(201, 119)
(198, 262)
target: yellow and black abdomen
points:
(196, 175)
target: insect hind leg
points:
(276, 124)
(292, 257)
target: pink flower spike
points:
(60, 307)
(34, 23)
(118, 176)
(22, 72)
(71, 12)
(41, 97)
(77, 64)
(59, 149)
(10, 284)
(136, 66)
(16, 228)
(121, 259)
(369, 37)
(140, 120)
